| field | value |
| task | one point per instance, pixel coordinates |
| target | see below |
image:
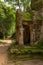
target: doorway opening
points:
(1, 35)
(26, 35)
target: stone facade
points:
(30, 30)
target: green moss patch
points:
(27, 16)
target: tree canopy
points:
(25, 4)
(7, 19)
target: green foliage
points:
(24, 51)
(7, 19)
(14, 49)
(21, 3)
(35, 51)
(2, 16)
(27, 16)
(10, 20)
(15, 52)
(26, 4)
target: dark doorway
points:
(26, 35)
(13, 36)
(1, 35)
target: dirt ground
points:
(3, 61)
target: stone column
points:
(19, 28)
(32, 35)
(34, 13)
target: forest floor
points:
(4, 58)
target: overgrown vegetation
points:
(8, 26)
(26, 52)
(7, 20)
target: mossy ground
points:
(26, 53)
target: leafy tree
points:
(26, 4)
(20, 3)
(7, 20)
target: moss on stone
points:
(27, 16)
